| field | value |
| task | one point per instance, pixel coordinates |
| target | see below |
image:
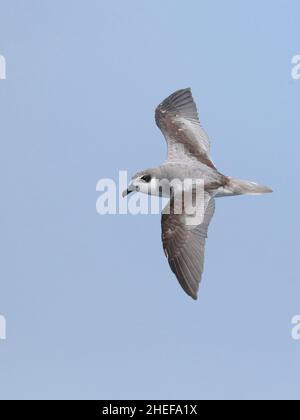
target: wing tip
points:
(194, 297)
(181, 101)
(174, 97)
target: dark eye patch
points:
(146, 178)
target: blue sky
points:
(92, 308)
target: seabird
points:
(188, 157)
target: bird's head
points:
(144, 182)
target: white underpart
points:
(224, 192)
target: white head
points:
(143, 182)
(148, 182)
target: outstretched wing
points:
(177, 117)
(184, 245)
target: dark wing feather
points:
(184, 246)
(177, 117)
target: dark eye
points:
(146, 178)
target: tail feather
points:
(238, 187)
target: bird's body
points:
(188, 159)
(181, 171)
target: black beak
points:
(126, 192)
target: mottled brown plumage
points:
(188, 158)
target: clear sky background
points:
(92, 308)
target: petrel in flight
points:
(188, 158)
